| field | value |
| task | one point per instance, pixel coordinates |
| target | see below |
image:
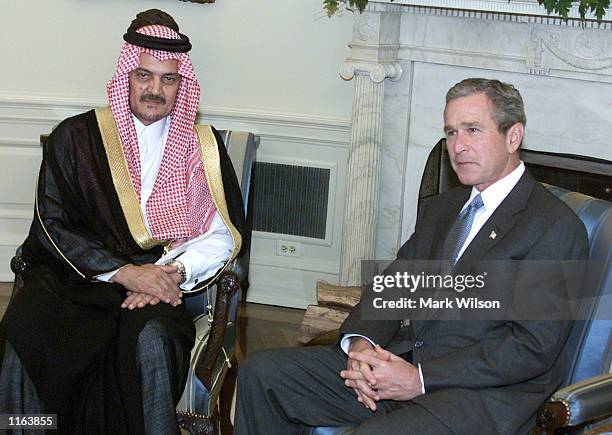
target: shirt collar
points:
(154, 130)
(493, 195)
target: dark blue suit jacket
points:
(486, 376)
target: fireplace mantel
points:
(404, 57)
(513, 7)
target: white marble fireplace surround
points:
(404, 57)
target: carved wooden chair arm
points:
(227, 284)
(19, 266)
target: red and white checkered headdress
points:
(180, 201)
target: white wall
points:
(267, 66)
(267, 54)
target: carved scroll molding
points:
(588, 50)
(376, 71)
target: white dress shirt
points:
(205, 254)
(492, 197)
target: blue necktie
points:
(460, 230)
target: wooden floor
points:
(267, 327)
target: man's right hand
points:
(157, 281)
(359, 375)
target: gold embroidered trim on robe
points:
(130, 204)
(209, 155)
(42, 224)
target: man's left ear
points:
(514, 137)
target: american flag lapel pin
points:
(492, 235)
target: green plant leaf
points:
(559, 7)
(549, 5)
(330, 6)
(600, 12)
(563, 7)
(360, 4)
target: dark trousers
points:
(162, 363)
(288, 391)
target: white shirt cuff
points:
(422, 381)
(106, 277)
(205, 254)
(346, 341)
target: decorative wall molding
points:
(576, 53)
(10, 240)
(496, 9)
(513, 18)
(382, 6)
(15, 213)
(589, 49)
(35, 110)
(366, 27)
(19, 142)
(335, 143)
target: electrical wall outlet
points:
(288, 249)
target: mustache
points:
(152, 98)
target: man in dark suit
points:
(437, 376)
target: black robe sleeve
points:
(77, 217)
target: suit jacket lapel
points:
(501, 221)
(498, 225)
(444, 220)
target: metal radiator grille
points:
(290, 199)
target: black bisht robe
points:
(63, 324)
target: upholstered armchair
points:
(584, 405)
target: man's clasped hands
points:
(377, 374)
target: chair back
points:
(589, 346)
(241, 147)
